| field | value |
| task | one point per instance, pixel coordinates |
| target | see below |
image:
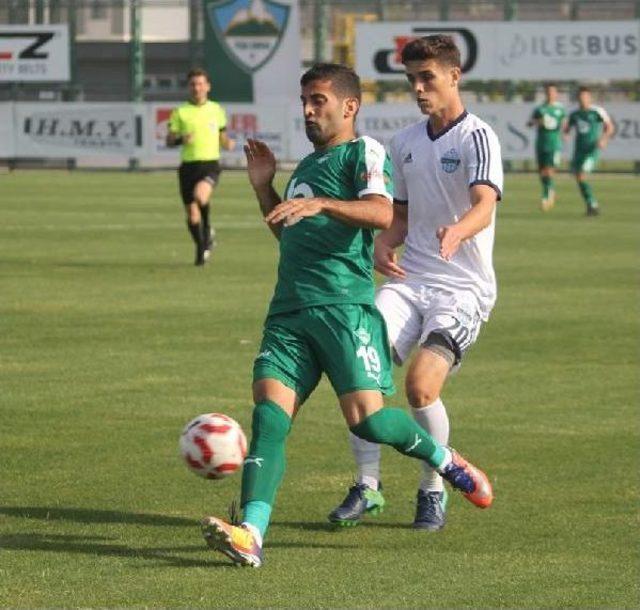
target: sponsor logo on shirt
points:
(370, 175)
(450, 161)
(408, 159)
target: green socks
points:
(265, 463)
(394, 427)
(547, 186)
(587, 193)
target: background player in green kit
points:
(322, 318)
(548, 118)
(593, 127)
(199, 126)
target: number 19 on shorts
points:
(371, 361)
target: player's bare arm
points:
(483, 203)
(261, 167)
(385, 257)
(370, 212)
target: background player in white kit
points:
(448, 177)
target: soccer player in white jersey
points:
(448, 177)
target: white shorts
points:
(413, 311)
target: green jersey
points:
(550, 118)
(588, 123)
(324, 261)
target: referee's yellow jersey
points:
(204, 121)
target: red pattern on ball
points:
(215, 428)
(207, 452)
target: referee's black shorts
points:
(192, 172)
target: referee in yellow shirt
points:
(199, 126)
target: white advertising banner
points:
(7, 136)
(34, 53)
(382, 121)
(113, 133)
(75, 129)
(518, 140)
(560, 50)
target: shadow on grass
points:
(94, 545)
(90, 515)
(163, 556)
(330, 527)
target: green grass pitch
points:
(111, 341)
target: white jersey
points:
(433, 174)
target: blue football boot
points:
(430, 510)
(361, 500)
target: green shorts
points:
(585, 163)
(347, 342)
(548, 157)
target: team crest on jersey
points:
(450, 161)
(363, 335)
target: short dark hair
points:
(550, 84)
(583, 89)
(345, 82)
(197, 72)
(440, 47)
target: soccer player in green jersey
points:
(593, 127)
(322, 318)
(199, 126)
(548, 118)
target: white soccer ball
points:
(213, 445)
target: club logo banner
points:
(34, 53)
(252, 49)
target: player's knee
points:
(421, 394)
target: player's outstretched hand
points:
(261, 164)
(385, 260)
(294, 210)
(450, 240)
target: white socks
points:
(434, 419)
(367, 456)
